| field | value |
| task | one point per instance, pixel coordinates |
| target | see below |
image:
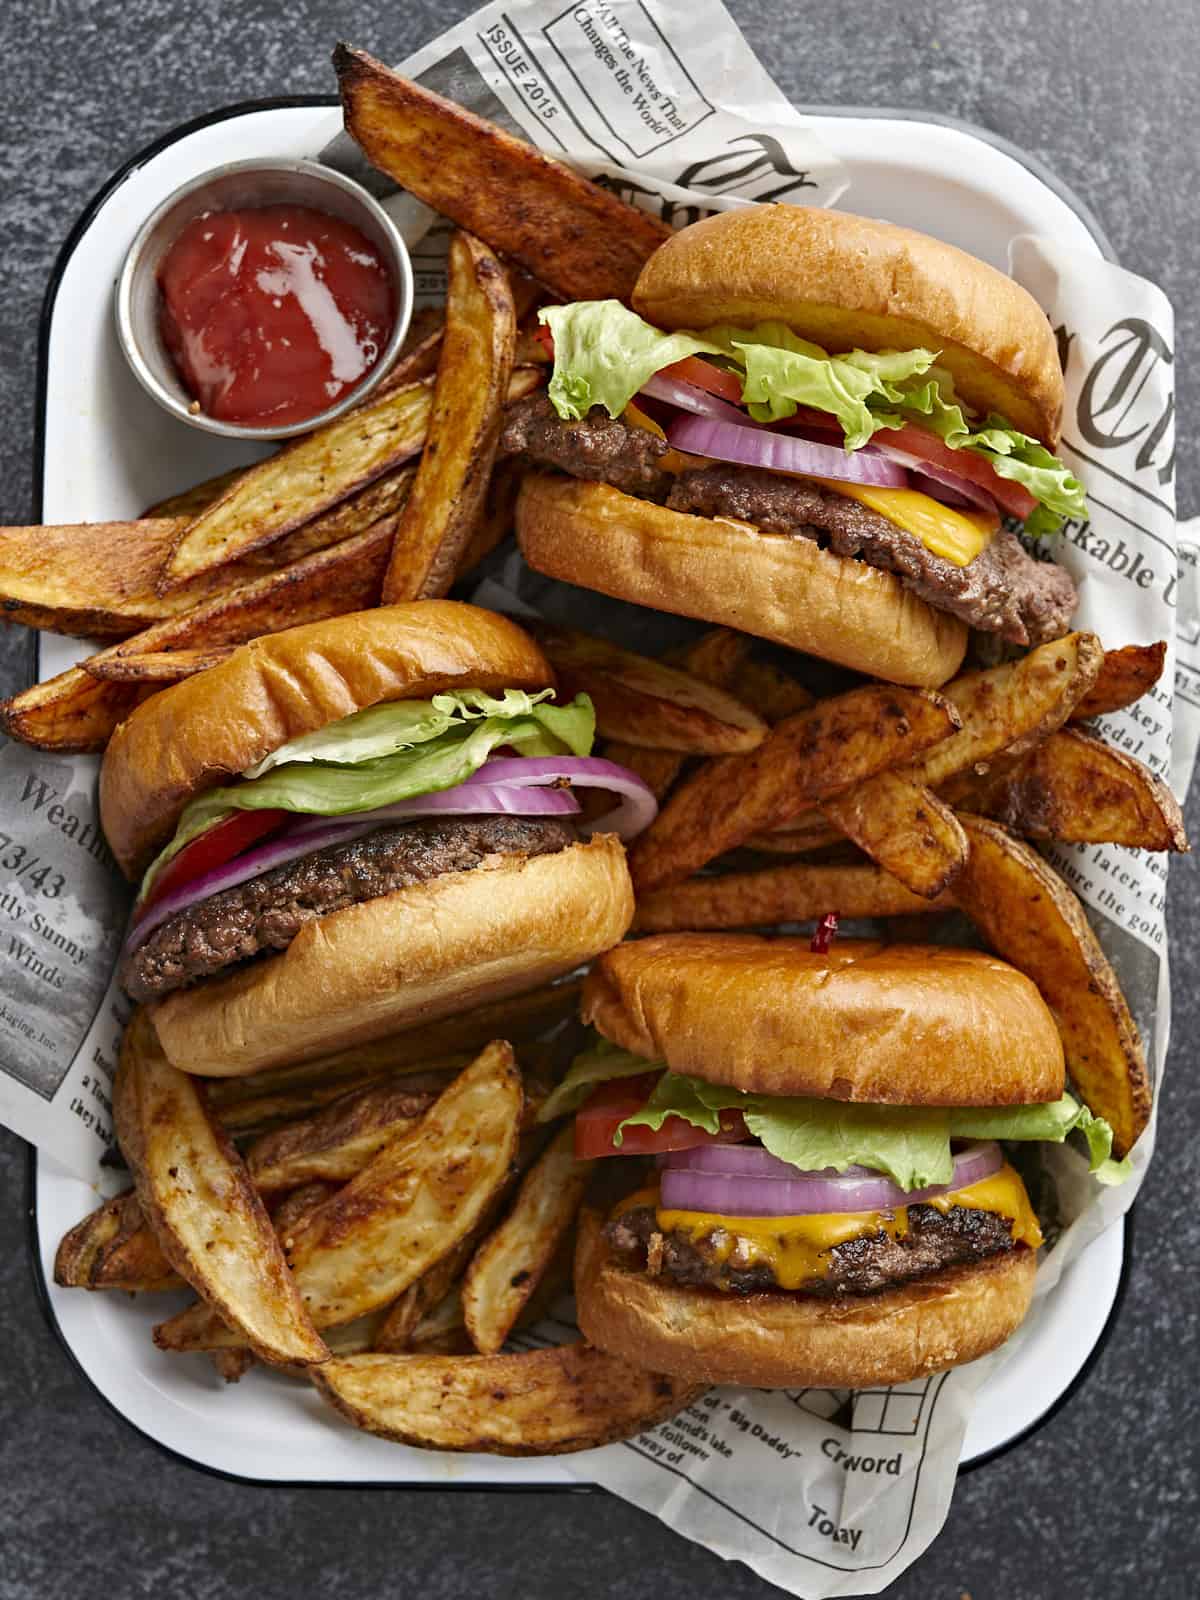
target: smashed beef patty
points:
(934, 1241)
(268, 912)
(1003, 591)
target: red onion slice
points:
(464, 800)
(741, 1187)
(636, 808)
(688, 397)
(749, 446)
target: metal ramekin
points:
(247, 184)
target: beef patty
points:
(934, 1240)
(1004, 590)
(268, 912)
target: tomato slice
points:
(213, 849)
(1009, 496)
(598, 1119)
(703, 375)
(545, 338)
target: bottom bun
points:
(785, 1341)
(390, 963)
(720, 570)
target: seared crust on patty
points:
(267, 912)
(600, 448)
(933, 1241)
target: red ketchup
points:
(271, 315)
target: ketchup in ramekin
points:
(272, 314)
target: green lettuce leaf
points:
(601, 1063)
(910, 1144)
(604, 353)
(390, 753)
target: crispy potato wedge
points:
(836, 744)
(197, 1196)
(158, 666)
(645, 702)
(905, 828)
(232, 1365)
(569, 234)
(308, 476)
(114, 1248)
(771, 692)
(421, 1300)
(91, 580)
(444, 1330)
(509, 1264)
(383, 498)
(338, 1142)
(71, 712)
(444, 509)
(1031, 918)
(795, 840)
(1124, 677)
(199, 1327)
(779, 894)
(416, 1200)
(713, 658)
(537, 1402)
(1079, 790)
(495, 522)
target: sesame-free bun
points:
(209, 728)
(848, 282)
(921, 1025)
(454, 942)
(784, 1341)
(730, 572)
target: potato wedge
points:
(1031, 918)
(905, 828)
(338, 1142)
(509, 1264)
(206, 1214)
(779, 894)
(191, 502)
(444, 509)
(571, 235)
(495, 522)
(114, 1248)
(1079, 790)
(416, 1200)
(538, 1402)
(420, 1301)
(232, 1365)
(1124, 677)
(91, 580)
(771, 692)
(647, 703)
(158, 666)
(308, 476)
(797, 838)
(831, 747)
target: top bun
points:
(849, 282)
(891, 1024)
(209, 728)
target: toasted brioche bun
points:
(208, 729)
(850, 282)
(720, 570)
(891, 1024)
(457, 941)
(784, 1341)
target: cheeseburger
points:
(817, 428)
(831, 1205)
(357, 825)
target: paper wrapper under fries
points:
(674, 113)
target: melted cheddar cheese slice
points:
(797, 1248)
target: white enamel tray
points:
(107, 451)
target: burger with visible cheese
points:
(355, 826)
(812, 427)
(831, 1204)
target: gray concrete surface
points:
(1103, 1501)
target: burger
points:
(813, 427)
(831, 1204)
(357, 825)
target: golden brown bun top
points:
(209, 728)
(891, 1024)
(849, 282)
